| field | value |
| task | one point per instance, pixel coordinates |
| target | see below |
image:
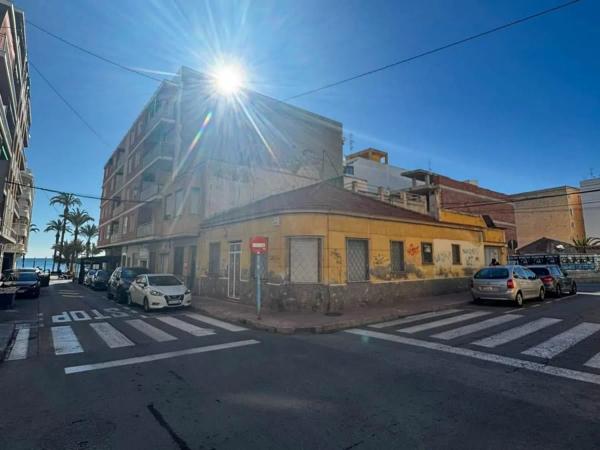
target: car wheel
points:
(519, 299)
(146, 305)
(573, 288)
(542, 294)
(558, 290)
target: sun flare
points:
(229, 80)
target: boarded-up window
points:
(455, 254)
(427, 252)
(305, 260)
(396, 257)
(357, 259)
(214, 258)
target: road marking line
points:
(110, 335)
(516, 333)
(443, 322)
(143, 316)
(184, 326)
(563, 341)
(594, 361)
(155, 333)
(469, 329)
(158, 356)
(490, 357)
(415, 318)
(64, 341)
(19, 350)
(588, 293)
(215, 322)
(535, 306)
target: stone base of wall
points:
(585, 276)
(335, 298)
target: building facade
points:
(192, 154)
(15, 120)
(554, 213)
(330, 249)
(590, 202)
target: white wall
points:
(378, 174)
(591, 211)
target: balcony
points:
(145, 230)
(149, 191)
(22, 229)
(116, 237)
(160, 151)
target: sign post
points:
(258, 246)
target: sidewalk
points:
(25, 311)
(308, 322)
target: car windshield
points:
(132, 273)
(540, 270)
(492, 273)
(102, 274)
(25, 276)
(164, 280)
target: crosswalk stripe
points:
(469, 329)
(184, 326)
(415, 318)
(64, 341)
(443, 322)
(21, 345)
(215, 322)
(110, 335)
(594, 361)
(563, 341)
(515, 333)
(155, 333)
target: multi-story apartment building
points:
(553, 213)
(191, 154)
(590, 202)
(15, 119)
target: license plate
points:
(173, 302)
(487, 288)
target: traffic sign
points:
(259, 245)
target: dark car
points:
(87, 280)
(44, 276)
(26, 283)
(556, 281)
(100, 280)
(120, 280)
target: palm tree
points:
(33, 228)
(586, 243)
(89, 231)
(66, 200)
(78, 218)
(56, 226)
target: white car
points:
(157, 291)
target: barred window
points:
(396, 257)
(214, 258)
(455, 254)
(305, 259)
(426, 252)
(357, 259)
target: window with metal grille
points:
(396, 257)
(214, 258)
(426, 252)
(357, 259)
(455, 254)
(305, 260)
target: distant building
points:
(192, 154)
(553, 213)
(16, 179)
(330, 249)
(590, 202)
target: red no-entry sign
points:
(259, 245)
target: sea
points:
(43, 263)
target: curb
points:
(7, 331)
(318, 329)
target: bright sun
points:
(229, 80)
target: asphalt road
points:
(464, 379)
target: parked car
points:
(119, 281)
(511, 282)
(100, 280)
(158, 291)
(556, 280)
(27, 283)
(43, 276)
(87, 279)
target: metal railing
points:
(150, 191)
(145, 229)
(162, 149)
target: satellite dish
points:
(560, 247)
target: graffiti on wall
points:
(413, 249)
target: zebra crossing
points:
(75, 338)
(517, 340)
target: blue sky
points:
(517, 110)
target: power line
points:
(435, 50)
(91, 53)
(71, 107)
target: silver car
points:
(512, 282)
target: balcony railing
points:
(163, 149)
(115, 237)
(149, 191)
(145, 229)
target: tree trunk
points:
(62, 235)
(87, 248)
(74, 255)
(57, 238)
